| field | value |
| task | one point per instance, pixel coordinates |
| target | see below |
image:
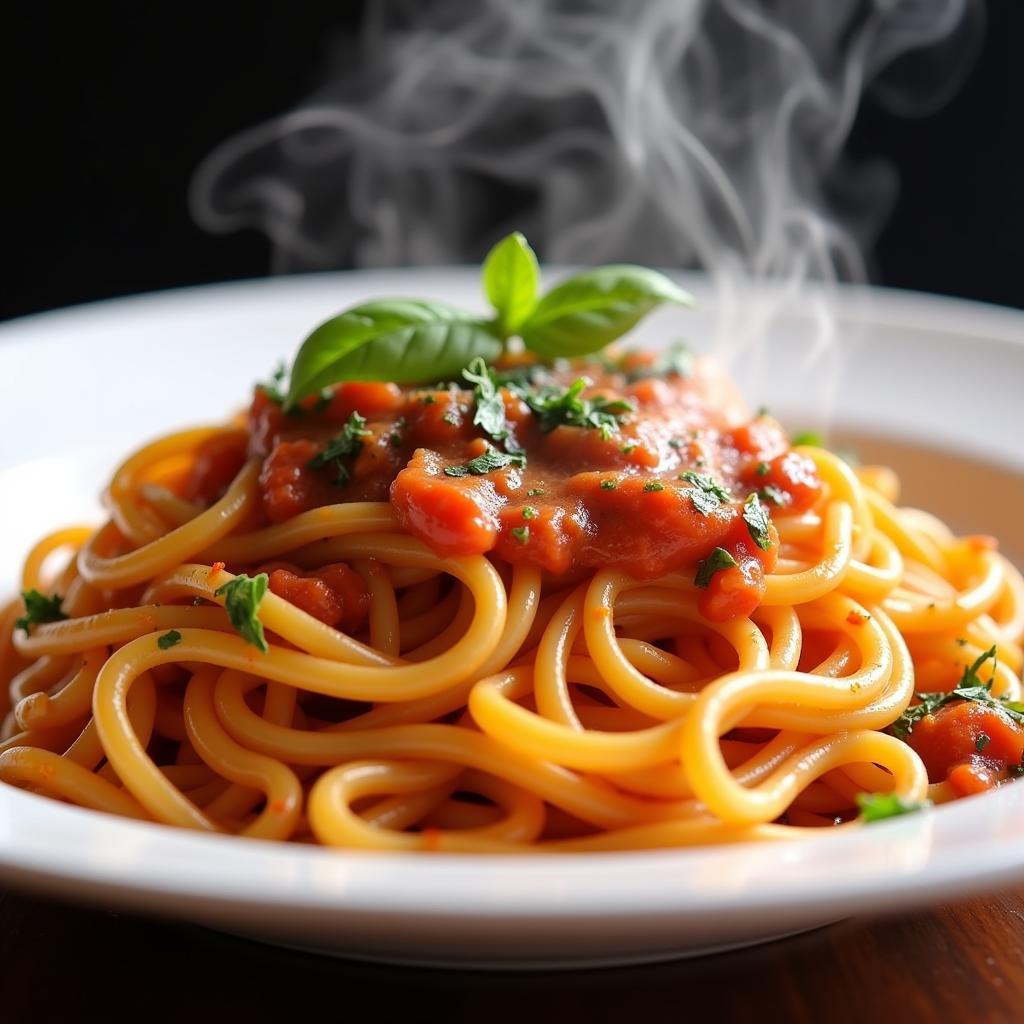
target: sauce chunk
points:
(653, 489)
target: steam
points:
(673, 132)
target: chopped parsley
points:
(676, 442)
(628, 449)
(274, 388)
(763, 469)
(565, 407)
(450, 418)
(773, 494)
(242, 597)
(982, 742)
(717, 560)
(755, 515)
(521, 533)
(811, 437)
(489, 413)
(608, 485)
(345, 445)
(654, 485)
(170, 639)
(490, 460)
(395, 437)
(970, 687)
(38, 609)
(678, 361)
(534, 492)
(529, 512)
(879, 806)
(706, 493)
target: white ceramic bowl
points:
(79, 388)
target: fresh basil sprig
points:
(511, 277)
(415, 341)
(592, 309)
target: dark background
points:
(114, 106)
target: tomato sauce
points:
(585, 498)
(971, 746)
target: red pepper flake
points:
(431, 839)
(214, 569)
(277, 807)
(856, 618)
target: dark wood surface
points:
(956, 963)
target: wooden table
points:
(63, 963)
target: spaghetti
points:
(651, 623)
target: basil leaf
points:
(593, 308)
(510, 279)
(879, 806)
(408, 341)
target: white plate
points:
(79, 388)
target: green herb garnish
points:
(879, 806)
(529, 512)
(810, 437)
(345, 445)
(718, 559)
(490, 409)
(415, 341)
(490, 460)
(534, 492)
(707, 493)
(511, 278)
(521, 533)
(608, 485)
(755, 515)
(677, 361)
(654, 485)
(982, 742)
(242, 597)
(565, 407)
(170, 639)
(763, 469)
(773, 494)
(274, 388)
(39, 609)
(970, 687)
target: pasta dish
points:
(506, 584)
